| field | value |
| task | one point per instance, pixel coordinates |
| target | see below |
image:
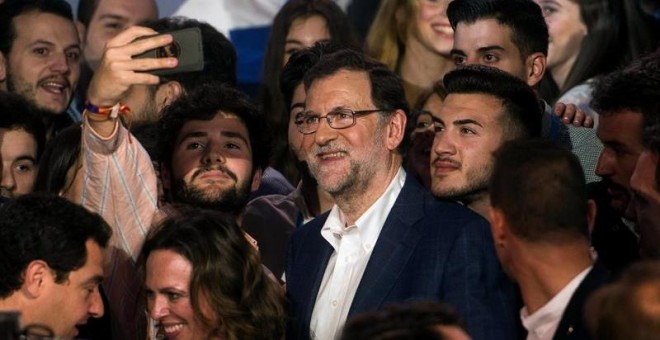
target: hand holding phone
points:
(186, 47)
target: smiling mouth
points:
(443, 29)
(331, 155)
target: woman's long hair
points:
(227, 276)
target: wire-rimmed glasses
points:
(337, 119)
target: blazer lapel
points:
(571, 325)
(393, 249)
(317, 253)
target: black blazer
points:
(572, 325)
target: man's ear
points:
(535, 67)
(82, 30)
(3, 72)
(37, 276)
(167, 93)
(256, 180)
(591, 215)
(396, 128)
(497, 226)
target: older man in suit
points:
(387, 239)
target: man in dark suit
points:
(387, 239)
(540, 219)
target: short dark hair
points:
(403, 321)
(386, 88)
(16, 113)
(540, 188)
(522, 111)
(13, 8)
(625, 309)
(204, 103)
(529, 32)
(48, 228)
(635, 87)
(226, 273)
(219, 53)
(86, 9)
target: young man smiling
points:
(40, 55)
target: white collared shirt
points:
(543, 324)
(352, 248)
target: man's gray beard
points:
(231, 200)
(26, 92)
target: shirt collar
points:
(370, 223)
(550, 314)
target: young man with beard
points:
(214, 147)
(40, 55)
(626, 99)
(97, 22)
(512, 35)
(484, 108)
(386, 239)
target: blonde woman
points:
(414, 39)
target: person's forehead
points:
(13, 140)
(620, 124)
(167, 268)
(340, 89)
(36, 25)
(474, 105)
(132, 10)
(482, 33)
(221, 122)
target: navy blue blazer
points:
(427, 250)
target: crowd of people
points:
(472, 169)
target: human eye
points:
(548, 10)
(467, 131)
(458, 59)
(194, 146)
(342, 115)
(24, 167)
(40, 51)
(438, 127)
(172, 296)
(73, 55)
(292, 50)
(311, 118)
(491, 58)
(422, 125)
(233, 146)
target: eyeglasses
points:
(338, 119)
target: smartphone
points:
(186, 47)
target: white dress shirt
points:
(543, 324)
(352, 248)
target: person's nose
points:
(214, 155)
(443, 144)
(96, 308)
(158, 308)
(604, 167)
(324, 133)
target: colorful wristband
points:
(107, 111)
